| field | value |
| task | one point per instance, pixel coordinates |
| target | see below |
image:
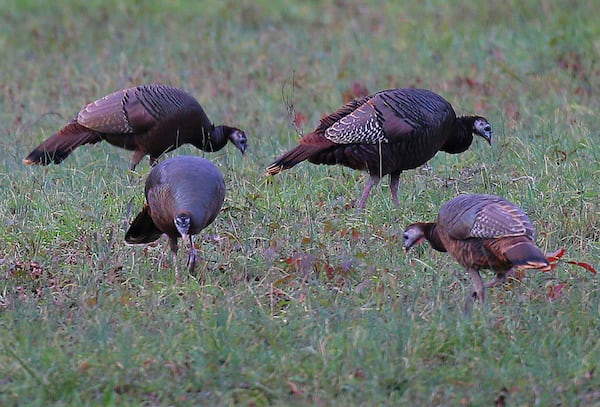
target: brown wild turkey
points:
(386, 133)
(481, 232)
(184, 195)
(147, 119)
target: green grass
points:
(304, 302)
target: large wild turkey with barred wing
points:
(481, 232)
(386, 133)
(147, 119)
(184, 195)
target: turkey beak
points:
(488, 137)
(183, 233)
(182, 223)
(243, 146)
(487, 134)
(406, 244)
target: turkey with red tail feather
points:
(481, 232)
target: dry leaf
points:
(294, 389)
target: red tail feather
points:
(310, 144)
(525, 254)
(557, 255)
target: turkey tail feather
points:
(58, 146)
(527, 255)
(291, 158)
(142, 229)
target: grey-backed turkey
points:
(184, 194)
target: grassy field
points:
(303, 302)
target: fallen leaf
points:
(283, 280)
(471, 82)
(294, 389)
(328, 227)
(329, 271)
(299, 120)
(148, 362)
(572, 62)
(302, 262)
(501, 399)
(359, 373)
(555, 291)
(356, 91)
(175, 369)
(561, 156)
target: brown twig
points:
(289, 105)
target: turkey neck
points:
(215, 139)
(432, 234)
(462, 137)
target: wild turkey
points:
(481, 232)
(147, 119)
(386, 133)
(184, 195)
